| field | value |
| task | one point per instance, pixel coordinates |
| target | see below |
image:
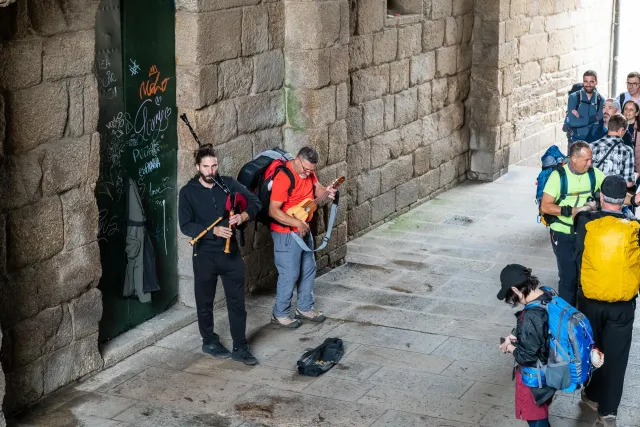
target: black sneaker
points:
(242, 354)
(217, 350)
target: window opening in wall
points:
(403, 7)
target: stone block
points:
(262, 111)
(464, 84)
(383, 206)
(197, 86)
(36, 115)
(441, 9)
(358, 158)
(424, 100)
(406, 105)
(255, 30)
(234, 154)
(451, 32)
(536, 25)
(65, 165)
(516, 27)
(276, 25)
(311, 108)
(428, 183)
(308, 69)
(68, 55)
(433, 35)
(58, 371)
(533, 47)
(385, 46)
(439, 93)
(209, 5)
(369, 84)
(235, 78)
(359, 218)
(28, 241)
(198, 40)
(342, 101)
(421, 160)
(314, 25)
(354, 125)
(90, 104)
(560, 42)
(360, 52)
(46, 332)
(441, 152)
(24, 387)
(370, 16)
(318, 138)
(389, 112)
(21, 64)
(530, 72)
(448, 172)
(337, 142)
(266, 139)
(423, 68)
(21, 186)
(461, 7)
(407, 193)
(385, 147)
(430, 128)
(339, 64)
(467, 27)
(507, 135)
(411, 135)
(508, 54)
(396, 172)
(453, 91)
(399, 75)
(409, 40)
(550, 65)
(86, 312)
(465, 57)
(447, 61)
(373, 117)
(460, 141)
(80, 213)
(368, 185)
(75, 121)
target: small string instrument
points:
(305, 208)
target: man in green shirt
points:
(563, 198)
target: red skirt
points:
(526, 408)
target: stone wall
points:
(230, 74)
(406, 123)
(526, 56)
(49, 306)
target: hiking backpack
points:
(258, 176)
(568, 130)
(570, 343)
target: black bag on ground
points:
(322, 358)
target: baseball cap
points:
(614, 102)
(614, 186)
(512, 275)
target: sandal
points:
(286, 322)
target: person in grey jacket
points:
(201, 202)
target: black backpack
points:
(258, 175)
(322, 358)
(578, 88)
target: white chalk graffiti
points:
(151, 150)
(149, 167)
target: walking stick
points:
(201, 235)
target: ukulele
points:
(305, 208)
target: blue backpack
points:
(570, 344)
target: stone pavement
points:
(415, 305)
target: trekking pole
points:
(184, 118)
(201, 235)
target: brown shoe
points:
(285, 322)
(313, 315)
(590, 403)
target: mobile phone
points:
(502, 340)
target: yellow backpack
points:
(611, 259)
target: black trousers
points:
(612, 324)
(207, 267)
(564, 248)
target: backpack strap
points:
(332, 217)
(622, 98)
(592, 179)
(607, 155)
(564, 184)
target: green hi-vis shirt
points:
(578, 190)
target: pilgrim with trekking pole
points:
(211, 206)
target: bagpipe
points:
(236, 203)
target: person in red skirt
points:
(529, 341)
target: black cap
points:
(614, 186)
(512, 275)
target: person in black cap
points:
(529, 340)
(608, 258)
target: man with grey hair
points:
(608, 258)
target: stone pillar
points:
(316, 72)
(487, 108)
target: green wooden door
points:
(138, 141)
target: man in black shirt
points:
(608, 258)
(202, 201)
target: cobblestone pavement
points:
(416, 308)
